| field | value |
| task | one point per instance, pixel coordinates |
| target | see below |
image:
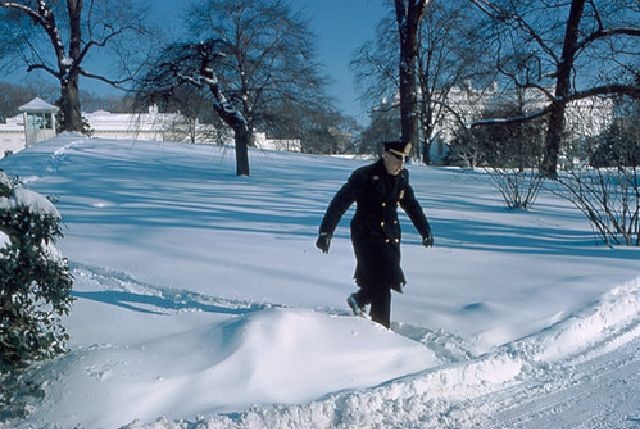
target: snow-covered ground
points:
(202, 301)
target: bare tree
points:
(319, 126)
(448, 54)
(375, 66)
(59, 38)
(512, 153)
(270, 56)
(257, 58)
(182, 65)
(570, 50)
(607, 191)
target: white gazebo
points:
(39, 121)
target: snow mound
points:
(432, 398)
(270, 356)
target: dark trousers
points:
(380, 301)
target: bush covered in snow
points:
(35, 282)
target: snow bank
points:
(270, 356)
(614, 319)
(433, 398)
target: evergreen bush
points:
(35, 282)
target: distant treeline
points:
(12, 96)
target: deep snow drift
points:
(202, 301)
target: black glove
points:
(324, 242)
(427, 240)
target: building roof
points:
(38, 105)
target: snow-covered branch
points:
(24, 9)
(45, 19)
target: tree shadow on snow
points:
(153, 304)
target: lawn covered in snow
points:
(202, 300)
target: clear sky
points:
(341, 27)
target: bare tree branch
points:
(602, 33)
(513, 120)
(112, 82)
(611, 89)
(44, 67)
(105, 40)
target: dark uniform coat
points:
(375, 230)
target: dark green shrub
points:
(35, 282)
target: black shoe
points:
(355, 306)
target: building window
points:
(40, 121)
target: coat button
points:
(397, 240)
(386, 241)
(382, 224)
(384, 204)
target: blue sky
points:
(342, 26)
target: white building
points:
(39, 120)
(12, 138)
(262, 142)
(36, 123)
(584, 118)
(153, 125)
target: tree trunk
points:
(408, 99)
(427, 129)
(70, 105)
(426, 152)
(243, 132)
(426, 118)
(70, 102)
(563, 73)
(554, 139)
(243, 139)
(408, 18)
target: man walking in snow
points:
(378, 189)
